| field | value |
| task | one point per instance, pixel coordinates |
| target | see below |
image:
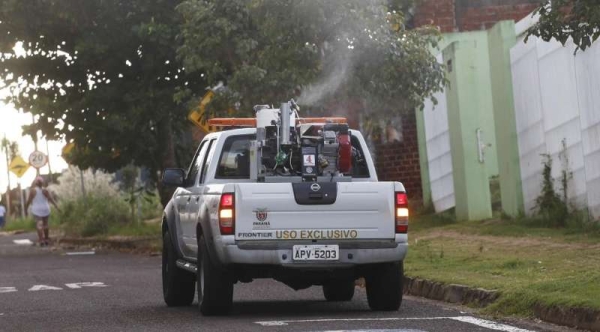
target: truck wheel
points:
(338, 290)
(215, 287)
(178, 285)
(384, 287)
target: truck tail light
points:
(227, 214)
(401, 213)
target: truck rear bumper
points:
(351, 254)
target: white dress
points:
(40, 206)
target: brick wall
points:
(470, 15)
(399, 161)
(483, 14)
(439, 13)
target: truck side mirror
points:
(173, 177)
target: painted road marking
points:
(37, 288)
(23, 242)
(77, 253)
(43, 287)
(385, 330)
(79, 285)
(8, 289)
(465, 319)
(488, 324)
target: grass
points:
(529, 265)
(122, 229)
(135, 229)
(17, 224)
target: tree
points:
(117, 77)
(319, 51)
(11, 148)
(101, 74)
(561, 19)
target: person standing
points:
(39, 199)
(2, 215)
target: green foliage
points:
(550, 208)
(117, 78)
(321, 52)
(135, 192)
(561, 19)
(10, 148)
(22, 224)
(101, 74)
(93, 215)
(150, 207)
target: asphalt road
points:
(45, 289)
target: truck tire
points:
(178, 285)
(338, 290)
(384, 287)
(215, 286)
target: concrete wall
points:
(502, 37)
(466, 15)
(469, 108)
(438, 155)
(479, 91)
(558, 112)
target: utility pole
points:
(48, 154)
(35, 142)
(22, 200)
(82, 183)
(5, 146)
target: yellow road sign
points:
(66, 151)
(18, 166)
(198, 115)
(68, 148)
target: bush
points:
(551, 208)
(93, 215)
(95, 182)
(151, 207)
(23, 224)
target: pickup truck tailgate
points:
(328, 211)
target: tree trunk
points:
(167, 160)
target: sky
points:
(11, 122)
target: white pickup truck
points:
(303, 207)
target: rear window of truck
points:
(234, 162)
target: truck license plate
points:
(316, 253)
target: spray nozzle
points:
(294, 105)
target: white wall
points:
(437, 138)
(557, 99)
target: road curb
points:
(451, 293)
(135, 243)
(580, 318)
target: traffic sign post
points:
(38, 159)
(18, 166)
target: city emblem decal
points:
(261, 214)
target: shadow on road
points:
(299, 308)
